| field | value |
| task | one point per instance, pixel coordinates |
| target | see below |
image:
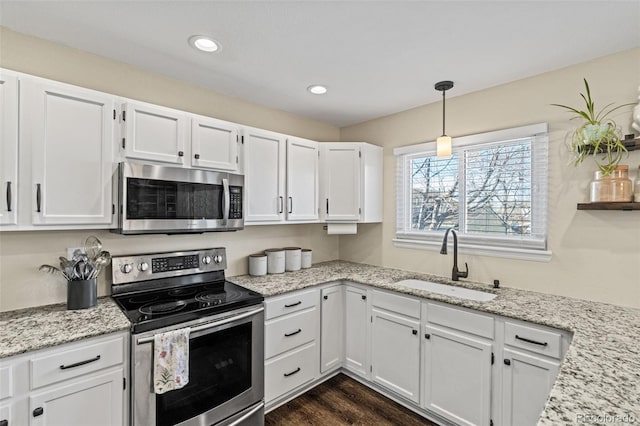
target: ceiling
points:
(376, 57)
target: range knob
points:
(126, 268)
(217, 259)
(206, 260)
(143, 266)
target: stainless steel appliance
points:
(156, 199)
(168, 291)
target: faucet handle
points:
(464, 274)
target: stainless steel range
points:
(169, 291)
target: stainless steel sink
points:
(448, 290)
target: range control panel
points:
(133, 268)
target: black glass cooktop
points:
(160, 308)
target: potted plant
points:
(600, 137)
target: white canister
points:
(258, 264)
(292, 258)
(306, 258)
(275, 260)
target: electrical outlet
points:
(72, 250)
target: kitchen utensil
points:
(92, 247)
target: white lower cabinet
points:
(356, 330)
(80, 383)
(332, 328)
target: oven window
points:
(219, 370)
(162, 199)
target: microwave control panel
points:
(235, 201)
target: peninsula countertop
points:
(40, 327)
(600, 374)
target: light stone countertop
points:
(600, 374)
(30, 329)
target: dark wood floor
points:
(343, 401)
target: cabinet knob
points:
(507, 362)
(364, 297)
(38, 412)
(414, 332)
(325, 297)
(427, 336)
(197, 156)
(180, 154)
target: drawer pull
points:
(38, 412)
(292, 373)
(78, 364)
(4, 422)
(299, 302)
(524, 339)
(293, 333)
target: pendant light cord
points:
(443, 112)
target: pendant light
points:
(443, 143)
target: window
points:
(492, 190)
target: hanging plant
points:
(598, 137)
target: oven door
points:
(226, 372)
(161, 199)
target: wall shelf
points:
(609, 206)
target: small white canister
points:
(275, 260)
(258, 264)
(292, 258)
(306, 258)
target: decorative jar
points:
(616, 187)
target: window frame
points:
(534, 247)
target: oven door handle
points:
(210, 324)
(247, 415)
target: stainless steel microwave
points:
(156, 199)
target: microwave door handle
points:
(225, 200)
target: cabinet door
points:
(356, 331)
(265, 167)
(332, 326)
(302, 179)
(457, 376)
(341, 181)
(214, 144)
(395, 354)
(526, 383)
(8, 148)
(70, 132)
(154, 133)
(96, 401)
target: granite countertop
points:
(600, 374)
(30, 329)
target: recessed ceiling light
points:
(204, 43)
(317, 89)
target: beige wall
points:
(21, 284)
(596, 255)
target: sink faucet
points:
(455, 273)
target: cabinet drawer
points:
(288, 303)
(458, 319)
(395, 303)
(289, 371)
(6, 382)
(289, 331)
(82, 359)
(542, 341)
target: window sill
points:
(504, 252)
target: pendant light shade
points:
(443, 143)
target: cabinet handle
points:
(524, 339)
(427, 336)
(507, 362)
(4, 422)
(78, 364)
(325, 297)
(290, 204)
(180, 154)
(8, 207)
(197, 156)
(292, 373)
(327, 206)
(293, 333)
(281, 204)
(38, 412)
(293, 304)
(364, 297)
(414, 332)
(38, 197)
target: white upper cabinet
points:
(265, 156)
(351, 182)
(70, 132)
(8, 147)
(302, 180)
(214, 144)
(153, 133)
